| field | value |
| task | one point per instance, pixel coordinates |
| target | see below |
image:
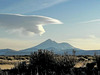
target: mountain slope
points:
(49, 43)
(58, 48)
(7, 52)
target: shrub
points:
(21, 69)
(47, 62)
(98, 62)
(64, 64)
(44, 62)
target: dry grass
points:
(6, 66)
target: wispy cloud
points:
(27, 25)
(89, 43)
(91, 21)
(25, 6)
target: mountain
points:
(7, 52)
(50, 45)
(58, 48)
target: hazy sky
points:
(26, 23)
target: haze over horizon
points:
(24, 24)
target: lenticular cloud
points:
(26, 24)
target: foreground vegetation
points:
(45, 62)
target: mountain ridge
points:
(58, 48)
(49, 43)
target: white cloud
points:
(91, 21)
(25, 24)
(92, 36)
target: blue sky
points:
(80, 18)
